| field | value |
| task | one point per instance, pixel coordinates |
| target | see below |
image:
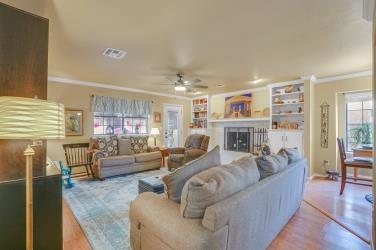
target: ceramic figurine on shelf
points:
(289, 89)
(278, 101)
(274, 125)
(301, 98)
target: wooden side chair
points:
(77, 155)
(349, 162)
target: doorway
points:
(173, 125)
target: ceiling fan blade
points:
(192, 81)
(171, 79)
(167, 84)
(200, 86)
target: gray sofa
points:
(123, 160)
(249, 219)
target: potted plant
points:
(362, 135)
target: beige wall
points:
(78, 97)
(260, 100)
(332, 93)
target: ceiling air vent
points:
(114, 53)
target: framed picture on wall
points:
(73, 122)
(157, 116)
(238, 106)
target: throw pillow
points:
(174, 182)
(108, 144)
(265, 149)
(271, 164)
(125, 147)
(292, 154)
(139, 144)
(216, 184)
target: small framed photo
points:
(74, 122)
(157, 117)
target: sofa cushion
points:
(125, 146)
(156, 224)
(292, 154)
(194, 141)
(139, 144)
(175, 181)
(144, 157)
(271, 164)
(108, 144)
(117, 160)
(216, 184)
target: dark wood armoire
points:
(23, 72)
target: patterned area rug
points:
(102, 208)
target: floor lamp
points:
(30, 119)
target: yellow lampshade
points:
(27, 118)
(154, 131)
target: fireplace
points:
(245, 139)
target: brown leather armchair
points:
(195, 146)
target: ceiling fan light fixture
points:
(180, 88)
(256, 81)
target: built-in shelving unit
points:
(287, 106)
(199, 116)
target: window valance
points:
(108, 104)
(363, 96)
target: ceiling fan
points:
(184, 85)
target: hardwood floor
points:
(308, 229)
(73, 236)
(350, 208)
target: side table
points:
(164, 153)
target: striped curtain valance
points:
(108, 104)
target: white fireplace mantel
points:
(261, 119)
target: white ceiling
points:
(218, 41)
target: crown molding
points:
(110, 86)
(309, 78)
(343, 77)
(276, 84)
(279, 84)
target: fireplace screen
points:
(247, 139)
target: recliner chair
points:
(195, 146)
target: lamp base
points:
(29, 152)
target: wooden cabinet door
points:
(294, 139)
(276, 140)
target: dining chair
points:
(350, 162)
(76, 155)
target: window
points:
(109, 123)
(359, 119)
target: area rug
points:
(102, 208)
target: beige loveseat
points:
(114, 155)
(249, 219)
